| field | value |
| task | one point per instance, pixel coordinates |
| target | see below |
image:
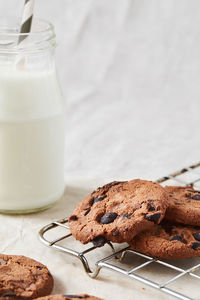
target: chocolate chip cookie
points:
(169, 240)
(24, 278)
(118, 211)
(68, 297)
(184, 205)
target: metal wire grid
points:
(119, 255)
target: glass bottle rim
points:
(41, 37)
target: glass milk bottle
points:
(31, 119)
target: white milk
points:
(31, 140)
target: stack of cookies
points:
(159, 221)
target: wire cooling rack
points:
(185, 269)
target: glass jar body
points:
(32, 129)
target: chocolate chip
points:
(115, 232)
(153, 218)
(169, 228)
(9, 294)
(128, 216)
(98, 199)
(115, 183)
(107, 186)
(177, 238)
(194, 191)
(86, 212)
(197, 227)
(74, 296)
(73, 218)
(195, 245)
(196, 197)
(196, 235)
(150, 207)
(39, 268)
(108, 218)
(99, 241)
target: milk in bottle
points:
(31, 129)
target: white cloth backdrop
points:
(130, 72)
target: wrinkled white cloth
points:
(130, 73)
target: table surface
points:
(130, 74)
(19, 235)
